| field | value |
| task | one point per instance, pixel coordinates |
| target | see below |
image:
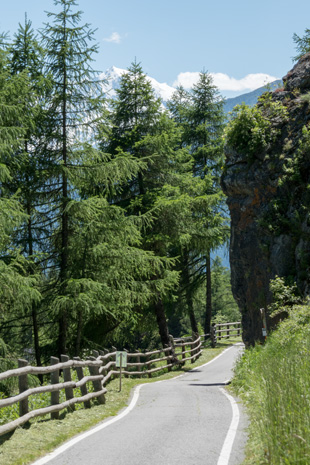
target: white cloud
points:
(187, 80)
(225, 82)
(114, 38)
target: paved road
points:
(183, 421)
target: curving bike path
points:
(188, 420)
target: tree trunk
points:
(208, 317)
(37, 349)
(188, 294)
(36, 343)
(62, 341)
(162, 323)
(79, 333)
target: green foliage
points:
(225, 308)
(99, 208)
(251, 130)
(274, 382)
(248, 131)
(302, 44)
(199, 115)
(284, 296)
(288, 212)
(305, 98)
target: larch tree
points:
(199, 112)
(26, 59)
(206, 138)
(141, 129)
(98, 272)
(17, 286)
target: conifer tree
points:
(17, 288)
(73, 105)
(206, 137)
(26, 59)
(200, 114)
(98, 268)
(141, 129)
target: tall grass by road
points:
(274, 382)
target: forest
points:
(109, 208)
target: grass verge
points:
(42, 436)
(274, 382)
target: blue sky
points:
(242, 43)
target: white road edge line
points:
(230, 437)
(47, 458)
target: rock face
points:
(268, 197)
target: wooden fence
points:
(101, 368)
(231, 329)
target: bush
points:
(248, 132)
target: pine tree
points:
(140, 129)
(17, 288)
(26, 59)
(200, 115)
(99, 271)
(72, 107)
(302, 44)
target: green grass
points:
(40, 437)
(274, 382)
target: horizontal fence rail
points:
(81, 376)
(231, 329)
(218, 330)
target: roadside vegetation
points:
(273, 380)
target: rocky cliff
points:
(267, 184)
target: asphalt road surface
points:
(189, 420)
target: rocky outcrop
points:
(268, 198)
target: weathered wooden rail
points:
(231, 329)
(101, 368)
(217, 330)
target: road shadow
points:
(208, 385)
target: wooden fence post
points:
(127, 369)
(173, 357)
(228, 331)
(193, 348)
(183, 348)
(67, 377)
(138, 361)
(147, 359)
(54, 394)
(23, 386)
(197, 347)
(169, 354)
(97, 383)
(80, 375)
(114, 350)
(105, 371)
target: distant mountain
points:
(163, 91)
(251, 97)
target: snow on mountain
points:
(162, 90)
(114, 74)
